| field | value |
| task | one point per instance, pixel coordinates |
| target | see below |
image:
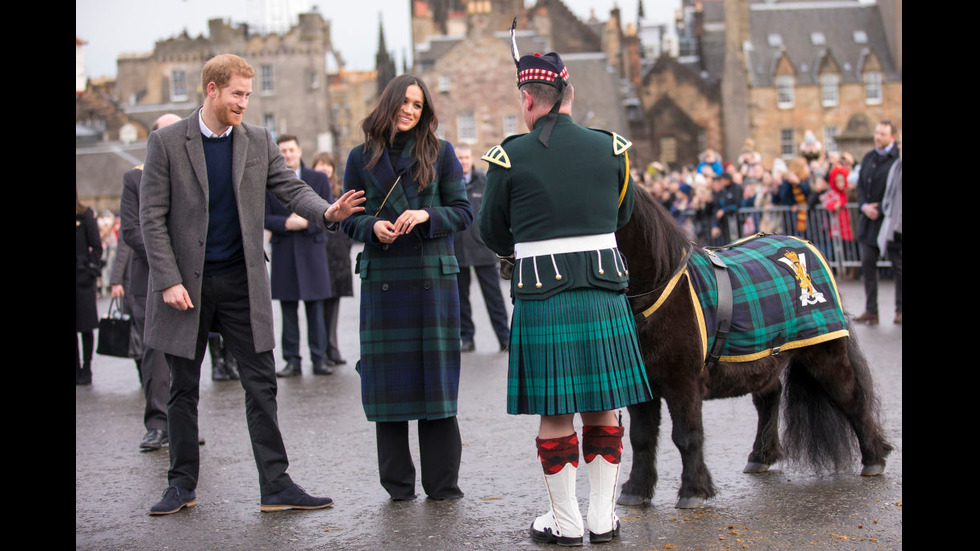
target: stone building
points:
(471, 73)
(770, 70)
(289, 91)
(290, 95)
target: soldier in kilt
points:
(409, 326)
(554, 199)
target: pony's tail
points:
(817, 431)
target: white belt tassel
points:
(563, 245)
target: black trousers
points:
(224, 301)
(440, 450)
(489, 279)
(869, 272)
(331, 312)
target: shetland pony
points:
(825, 390)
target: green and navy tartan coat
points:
(409, 324)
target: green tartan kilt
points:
(576, 351)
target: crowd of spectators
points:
(718, 198)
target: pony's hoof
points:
(693, 502)
(873, 470)
(756, 467)
(630, 500)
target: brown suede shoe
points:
(898, 318)
(869, 318)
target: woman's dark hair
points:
(379, 128)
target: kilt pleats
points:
(574, 352)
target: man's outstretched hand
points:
(348, 204)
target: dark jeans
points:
(316, 330)
(224, 301)
(869, 269)
(489, 280)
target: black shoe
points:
(322, 368)
(219, 370)
(453, 494)
(336, 361)
(154, 440)
(292, 369)
(505, 347)
(174, 499)
(293, 497)
(83, 376)
(467, 346)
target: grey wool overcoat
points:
(409, 325)
(174, 217)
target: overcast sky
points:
(113, 27)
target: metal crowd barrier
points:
(833, 233)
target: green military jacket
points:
(577, 186)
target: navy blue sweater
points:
(224, 251)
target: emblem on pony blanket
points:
(796, 263)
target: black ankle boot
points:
(83, 376)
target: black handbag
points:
(114, 332)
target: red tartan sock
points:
(555, 453)
(604, 441)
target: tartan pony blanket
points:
(783, 293)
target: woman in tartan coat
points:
(409, 326)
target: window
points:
(787, 145)
(510, 125)
(817, 38)
(466, 128)
(266, 82)
(829, 89)
(269, 121)
(444, 84)
(178, 85)
(312, 79)
(830, 134)
(872, 88)
(785, 96)
(668, 150)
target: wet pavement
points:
(331, 448)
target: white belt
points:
(564, 245)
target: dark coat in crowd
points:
(338, 258)
(299, 258)
(470, 248)
(88, 262)
(872, 180)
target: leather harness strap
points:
(725, 307)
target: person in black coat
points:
(473, 253)
(299, 267)
(88, 267)
(872, 181)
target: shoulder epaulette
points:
(138, 167)
(497, 156)
(620, 144)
